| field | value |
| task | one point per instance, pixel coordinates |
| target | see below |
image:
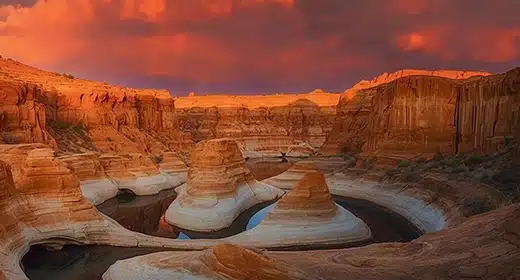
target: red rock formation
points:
(423, 115)
(484, 247)
(217, 168)
(219, 188)
(262, 125)
(310, 193)
(84, 115)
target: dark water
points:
(263, 168)
(144, 214)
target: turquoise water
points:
(258, 217)
(183, 236)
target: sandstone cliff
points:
(78, 115)
(219, 188)
(273, 125)
(424, 115)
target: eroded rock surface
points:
(485, 246)
(423, 115)
(271, 125)
(219, 188)
(306, 216)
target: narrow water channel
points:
(145, 214)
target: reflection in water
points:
(142, 213)
(263, 168)
(76, 262)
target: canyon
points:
(438, 149)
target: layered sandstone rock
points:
(103, 175)
(289, 178)
(84, 115)
(173, 168)
(224, 261)
(423, 115)
(94, 183)
(134, 172)
(485, 246)
(219, 188)
(306, 216)
(273, 125)
(45, 205)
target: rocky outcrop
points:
(423, 115)
(485, 246)
(79, 115)
(45, 205)
(275, 125)
(306, 216)
(95, 185)
(224, 261)
(136, 173)
(219, 188)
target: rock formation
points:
(423, 115)
(306, 216)
(485, 246)
(45, 205)
(78, 115)
(219, 188)
(224, 261)
(273, 125)
(94, 183)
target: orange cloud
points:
(289, 42)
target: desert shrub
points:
(10, 139)
(420, 160)
(403, 163)
(131, 139)
(508, 140)
(392, 171)
(68, 76)
(453, 162)
(109, 139)
(472, 160)
(157, 159)
(458, 169)
(475, 206)
(438, 157)
(412, 177)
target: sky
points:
(257, 46)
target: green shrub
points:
(420, 160)
(438, 157)
(508, 140)
(472, 160)
(403, 163)
(392, 171)
(475, 206)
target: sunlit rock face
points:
(219, 188)
(78, 115)
(306, 216)
(423, 115)
(103, 175)
(224, 261)
(271, 125)
(94, 183)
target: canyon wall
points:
(423, 115)
(274, 125)
(77, 115)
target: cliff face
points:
(489, 112)
(274, 125)
(80, 115)
(423, 115)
